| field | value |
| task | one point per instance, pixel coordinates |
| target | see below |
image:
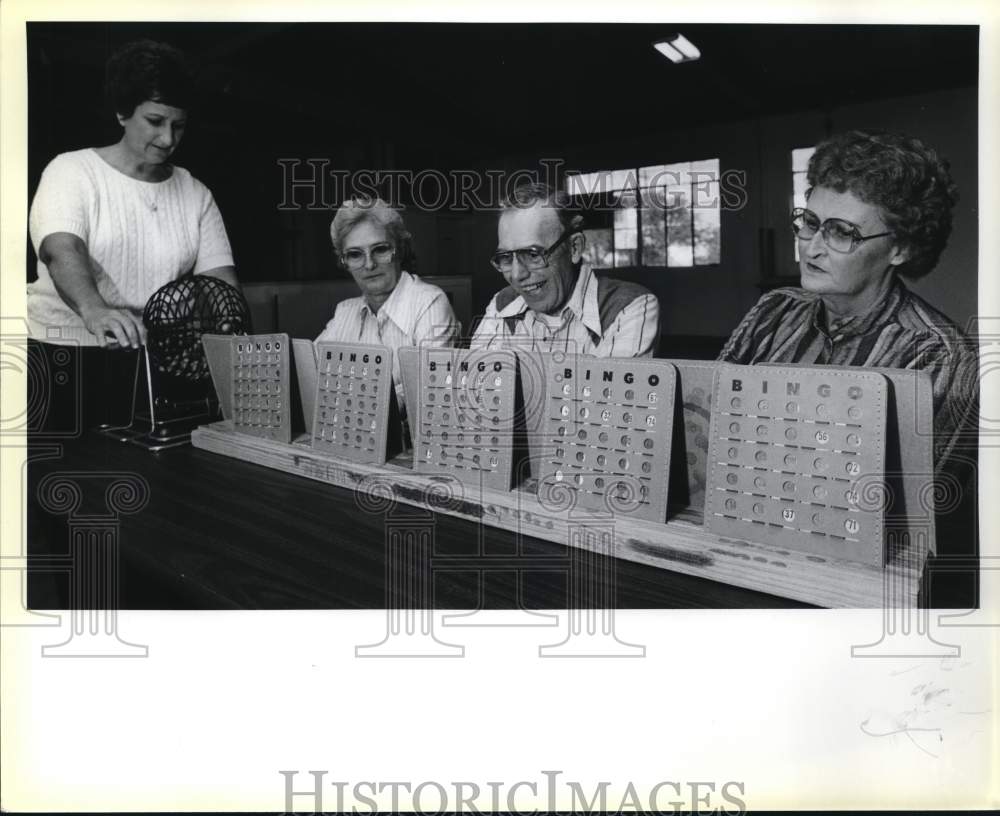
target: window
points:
(661, 215)
(800, 164)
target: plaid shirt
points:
(633, 331)
(901, 330)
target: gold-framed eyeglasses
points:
(532, 257)
(838, 234)
(357, 258)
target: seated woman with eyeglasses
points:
(879, 210)
(396, 308)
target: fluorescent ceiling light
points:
(678, 48)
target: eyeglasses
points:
(357, 258)
(533, 257)
(838, 234)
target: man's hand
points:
(114, 327)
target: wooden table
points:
(196, 530)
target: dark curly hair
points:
(907, 180)
(147, 70)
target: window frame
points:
(792, 157)
(633, 175)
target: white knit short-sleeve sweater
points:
(140, 235)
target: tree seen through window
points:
(661, 215)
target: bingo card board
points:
(797, 458)
(409, 372)
(609, 427)
(261, 398)
(355, 411)
(467, 410)
(219, 353)
(304, 358)
(909, 455)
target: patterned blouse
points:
(901, 330)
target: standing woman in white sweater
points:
(111, 225)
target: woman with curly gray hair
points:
(879, 210)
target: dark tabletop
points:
(196, 530)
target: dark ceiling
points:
(457, 97)
(499, 89)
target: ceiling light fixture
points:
(678, 48)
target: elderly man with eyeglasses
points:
(879, 209)
(396, 308)
(553, 301)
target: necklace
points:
(150, 196)
(149, 191)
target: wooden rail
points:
(680, 545)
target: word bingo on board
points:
(355, 402)
(797, 459)
(608, 427)
(261, 398)
(466, 424)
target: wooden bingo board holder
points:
(683, 543)
(355, 413)
(219, 353)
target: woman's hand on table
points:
(68, 262)
(114, 327)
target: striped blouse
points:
(901, 330)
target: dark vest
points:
(612, 296)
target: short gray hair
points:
(362, 208)
(526, 195)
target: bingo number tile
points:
(466, 415)
(609, 426)
(261, 399)
(797, 458)
(354, 394)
